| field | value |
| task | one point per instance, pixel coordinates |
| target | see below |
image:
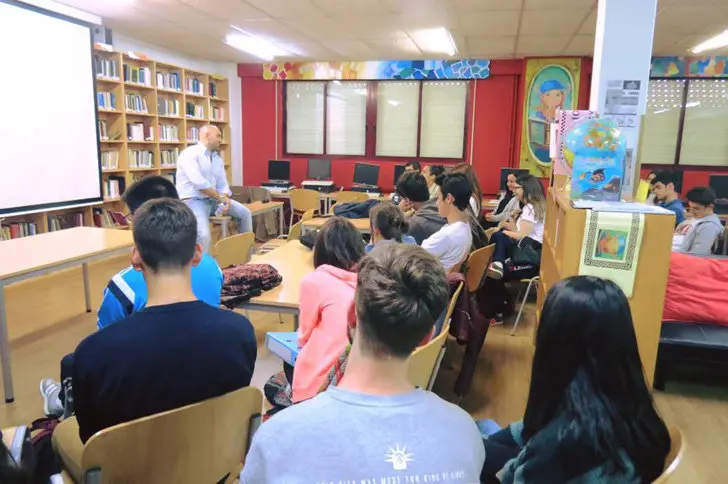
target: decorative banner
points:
(550, 85)
(710, 66)
(611, 247)
(669, 67)
(378, 70)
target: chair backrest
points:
(476, 265)
(295, 232)
(202, 442)
(348, 197)
(303, 200)
(674, 457)
(235, 249)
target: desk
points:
(361, 224)
(40, 254)
(256, 208)
(323, 198)
(293, 261)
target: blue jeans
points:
(204, 208)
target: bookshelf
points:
(148, 113)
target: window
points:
(661, 123)
(423, 119)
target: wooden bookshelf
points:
(166, 91)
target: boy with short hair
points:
(425, 220)
(663, 186)
(375, 424)
(707, 227)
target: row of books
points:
(168, 107)
(139, 132)
(114, 186)
(106, 100)
(110, 160)
(169, 157)
(108, 218)
(213, 89)
(193, 110)
(105, 68)
(65, 221)
(168, 132)
(217, 113)
(168, 80)
(17, 229)
(139, 75)
(141, 159)
(193, 134)
(136, 104)
(194, 86)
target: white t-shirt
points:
(529, 215)
(451, 244)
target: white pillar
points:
(622, 58)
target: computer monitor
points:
(504, 172)
(279, 170)
(366, 174)
(398, 170)
(719, 184)
(319, 169)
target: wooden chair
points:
(235, 249)
(303, 200)
(674, 457)
(476, 265)
(424, 363)
(203, 442)
(532, 282)
(348, 197)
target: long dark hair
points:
(507, 195)
(338, 244)
(389, 220)
(467, 169)
(587, 373)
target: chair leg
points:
(280, 318)
(523, 303)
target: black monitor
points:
(398, 170)
(319, 169)
(719, 184)
(366, 174)
(504, 172)
(279, 170)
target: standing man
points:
(202, 185)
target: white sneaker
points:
(495, 270)
(49, 390)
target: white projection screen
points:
(49, 154)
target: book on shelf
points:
(110, 160)
(213, 89)
(217, 113)
(141, 159)
(136, 104)
(114, 186)
(193, 134)
(138, 75)
(168, 132)
(140, 132)
(65, 221)
(168, 80)
(194, 86)
(108, 218)
(106, 68)
(169, 157)
(167, 107)
(106, 100)
(103, 131)
(15, 230)
(193, 110)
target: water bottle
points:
(220, 209)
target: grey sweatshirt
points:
(425, 221)
(701, 237)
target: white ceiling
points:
(381, 29)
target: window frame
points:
(371, 123)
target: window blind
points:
(705, 131)
(397, 118)
(442, 133)
(661, 122)
(346, 118)
(305, 117)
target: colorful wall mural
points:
(709, 66)
(378, 70)
(550, 84)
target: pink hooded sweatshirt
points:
(326, 296)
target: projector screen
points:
(48, 127)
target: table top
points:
(361, 224)
(260, 207)
(28, 254)
(293, 261)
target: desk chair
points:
(674, 457)
(303, 200)
(293, 234)
(234, 250)
(476, 266)
(202, 442)
(531, 282)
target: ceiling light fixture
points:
(253, 45)
(720, 40)
(435, 41)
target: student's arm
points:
(526, 229)
(218, 168)
(310, 308)
(115, 306)
(435, 244)
(701, 242)
(187, 162)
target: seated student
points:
(126, 292)
(590, 416)
(651, 195)
(706, 227)
(452, 243)
(177, 351)
(388, 225)
(508, 204)
(375, 423)
(412, 166)
(663, 186)
(425, 220)
(431, 172)
(476, 200)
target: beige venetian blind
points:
(305, 117)
(443, 119)
(661, 122)
(705, 132)
(346, 118)
(397, 118)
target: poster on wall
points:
(550, 85)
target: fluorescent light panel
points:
(717, 42)
(435, 41)
(253, 45)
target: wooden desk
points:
(40, 254)
(256, 208)
(361, 224)
(293, 261)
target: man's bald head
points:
(210, 136)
